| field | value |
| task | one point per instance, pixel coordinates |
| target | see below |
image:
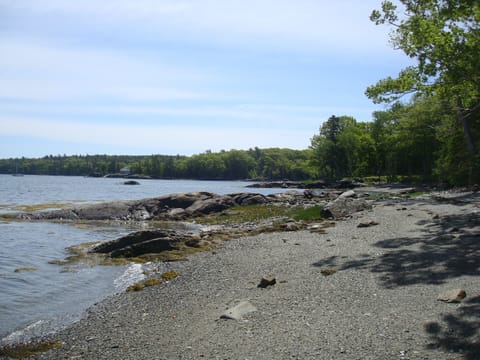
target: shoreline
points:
(381, 301)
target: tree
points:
(329, 148)
(443, 36)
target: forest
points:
(429, 130)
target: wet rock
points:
(266, 281)
(237, 312)
(452, 296)
(131, 182)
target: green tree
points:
(329, 150)
(443, 37)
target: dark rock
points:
(145, 242)
(278, 184)
(317, 185)
(249, 199)
(328, 272)
(267, 281)
(131, 182)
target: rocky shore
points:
(394, 277)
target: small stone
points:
(452, 296)
(367, 224)
(328, 272)
(267, 281)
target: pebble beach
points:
(344, 292)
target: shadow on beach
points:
(448, 249)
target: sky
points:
(183, 76)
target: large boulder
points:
(144, 242)
(344, 206)
(249, 199)
(211, 205)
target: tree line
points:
(254, 163)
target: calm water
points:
(37, 297)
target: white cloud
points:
(316, 25)
(173, 139)
(45, 71)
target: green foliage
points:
(343, 148)
(443, 37)
(274, 164)
(309, 214)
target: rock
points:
(407, 191)
(208, 206)
(291, 226)
(313, 193)
(131, 182)
(328, 272)
(267, 281)
(342, 207)
(249, 199)
(348, 194)
(277, 184)
(452, 296)
(367, 224)
(237, 312)
(145, 242)
(176, 213)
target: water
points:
(37, 297)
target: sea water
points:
(38, 296)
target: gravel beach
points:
(349, 293)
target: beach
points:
(346, 292)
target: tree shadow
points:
(459, 331)
(449, 248)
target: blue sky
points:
(183, 76)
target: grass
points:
(414, 194)
(23, 351)
(258, 213)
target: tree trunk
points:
(463, 118)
